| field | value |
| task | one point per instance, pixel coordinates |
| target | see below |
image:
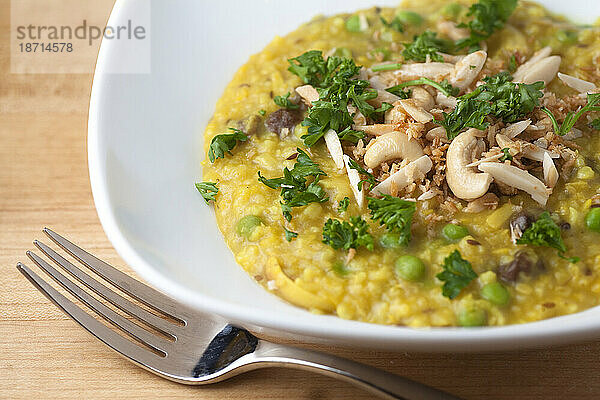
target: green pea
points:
(567, 37)
(409, 17)
(343, 52)
(495, 293)
(410, 268)
(452, 10)
(453, 233)
(472, 316)
(390, 241)
(353, 24)
(247, 225)
(592, 220)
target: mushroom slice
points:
(415, 111)
(465, 182)
(432, 70)
(550, 171)
(406, 175)
(354, 179)
(517, 128)
(467, 69)
(517, 178)
(575, 83)
(308, 94)
(375, 130)
(392, 146)
(335, 148)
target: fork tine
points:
(108, 294)
(132, 287)
(127, 348)
(125, 325)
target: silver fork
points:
(182, 344)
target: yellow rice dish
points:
(442, 165)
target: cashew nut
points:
(406, 175)
(517, 178)
(392, 146)
(465, 182)
(467, 69)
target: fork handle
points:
(379, 382)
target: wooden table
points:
(44, 182)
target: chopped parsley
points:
(289, 235)
(208, 190)
(426, 45)
(395, 24)
(370, 179)
(343, 205)
(444, 87)
(295, 190)
(344, 235)
(224, 143)
(334, 79)
(572, 117)
(595, 124)
(499, 97)
(262, 113)
(284, 102)
(457, 274)
(395, 214)
(545, 233)
(489, 16)
(506, 156)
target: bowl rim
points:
(564, 329)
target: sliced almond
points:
(354, 179)
(517, 178)
(575, 83)
(550, 171)
(406, 175)
(335, 148)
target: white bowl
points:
(145, 149)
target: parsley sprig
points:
(426, 45)
(296, 191)
(498, 97)
(289, 235)
(457, 274)
(395, 24)
(347, 235)
(507, 156)
(572, 117)
(343, 205)
(208, 190)
(335, 80)
(489, 16)
(284, 102)
(395, 214)
(224, 143)
(545, 233)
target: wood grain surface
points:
(44, 182)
